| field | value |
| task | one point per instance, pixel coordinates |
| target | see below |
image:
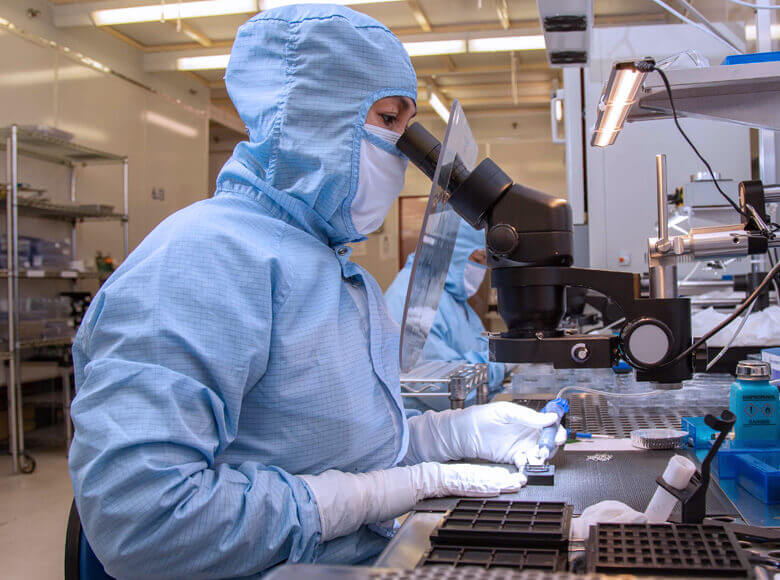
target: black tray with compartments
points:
(482, 557)
(689, 550)
(509, 524)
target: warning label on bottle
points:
(758, 398)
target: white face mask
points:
(473, 274)
(381, 178)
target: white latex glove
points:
(500, 432)
(347, 501)
(605, 512)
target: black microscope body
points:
(529, 243)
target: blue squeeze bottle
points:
(547, 439)
(755, 402)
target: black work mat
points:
(628, 477)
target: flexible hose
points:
(607, 393)
(733, 336)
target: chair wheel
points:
(26, 463)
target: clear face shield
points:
(437, 239)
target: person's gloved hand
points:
(500, 432)
(604, 512)
(347, 501)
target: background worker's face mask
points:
(381, 178)
(473, 274)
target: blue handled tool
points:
(547, 446)
(578, 435)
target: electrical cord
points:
(696, 25)
(607, 393)
(731, 317)
(770, 256)
(649, 66)
(734, 336)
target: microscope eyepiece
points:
(421, 148)
(472, 193)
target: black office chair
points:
(80, 561)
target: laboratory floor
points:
(33, 517)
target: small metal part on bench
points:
(659, 438)
(539, 474)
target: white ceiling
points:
(481, 81)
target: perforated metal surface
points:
(680, 550)
(593, 414)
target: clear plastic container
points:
(532, 378)
(39, 253)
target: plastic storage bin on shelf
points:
(39, 253)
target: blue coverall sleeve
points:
(497, 370)
(437, 347)
(163, 359)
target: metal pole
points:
(483, 394)
(772, 193)
(766, 137)
(663, 272)
(663, 262)
(73, 223)
(72, 183)
(66, 406)
(10, 173)
(125, 195)
(662, 193)
(13, 429)
(16, 355)
(457, 389)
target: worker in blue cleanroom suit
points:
(238, 402)
(456, 334)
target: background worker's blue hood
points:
(467, 241)
(302, 79)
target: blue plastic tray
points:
(752, 57)
(759, 475)
(731, 450)
(700, 436)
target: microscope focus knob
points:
(646, 342)
(502, 239)
(580, 353)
